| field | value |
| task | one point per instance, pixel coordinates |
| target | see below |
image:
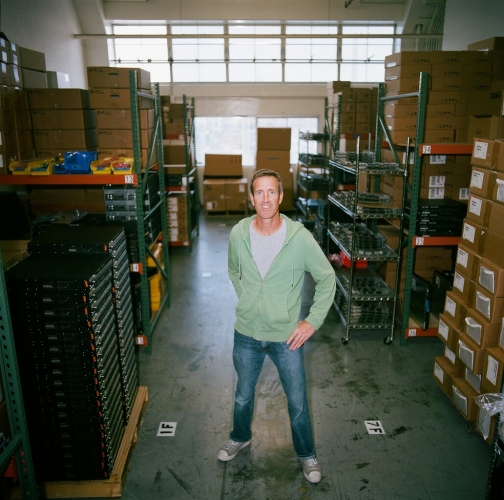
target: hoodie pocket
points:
(274, 312)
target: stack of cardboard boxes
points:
(273, 153)
(109, 95)
(353, 114)
(225, 190)
(177, 217)
(471, 326)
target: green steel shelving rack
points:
(408, 328)
(193, 204)
(413, 189)
(19, 445)
(154, 165)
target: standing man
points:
(269, 255)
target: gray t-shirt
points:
(266, 248)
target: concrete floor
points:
(427, 452)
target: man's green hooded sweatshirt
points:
(269, 309)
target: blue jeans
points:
(248, 359)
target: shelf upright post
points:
(137, 167)
(20, 441)
(414, 195)
(157, 140)
(142, 171)
(190, 166)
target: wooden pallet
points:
(106, 488)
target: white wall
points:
(468, 21)
(47, 26)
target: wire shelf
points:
(366, 285)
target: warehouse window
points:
(255, 59)
(198, 59)
(150, 54)
(238, 135)
(246, 52)
(362, 58)
(311, 59)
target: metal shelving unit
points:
(313, 176)
(138, 180)
(191, 189)
(144, 216)
(19, 445)
(408, 327)
(363, 300)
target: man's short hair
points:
(264, 172)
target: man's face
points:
(266, 198)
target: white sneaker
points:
(231, 449)
(311, 470)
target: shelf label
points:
(426, 150)
(136, 267)
(129, 179)
(475, 205)
(477, 179)
(462, 257)
(443, 329)
(480, 150)
(469, 233)
(374, 427)
(411, 332)
(167, 429)
(419, 241)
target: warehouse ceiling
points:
(410, 16)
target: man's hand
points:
(300, 335)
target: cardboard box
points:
(30, 79)
(464, 397)
(53, 119)
(448, 97)
(470, 353)
(279, 160)
(237, 195)
(467, 261)
(483, 126)
(122, 138)
(58, 98)
(487, 153)
(408, 57)
(65, 140)
(493, 369)
(13, 251)
(490, 276)
(494, 43)
(174, 154)
(31, 59)
(491, 307)
(121, 118)
(473, 379)
(274, 138)
(481, 331)
(113, 98)
(110, 77)
(455, 308)
(214, 195)
(222, 165)
(462, 286)
(482, 182)
(407, 71)
(448, 331)
(491, 247)
(443, 375)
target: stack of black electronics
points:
(439, 217)
(121, 205)
(64, 325)
(103, 240)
